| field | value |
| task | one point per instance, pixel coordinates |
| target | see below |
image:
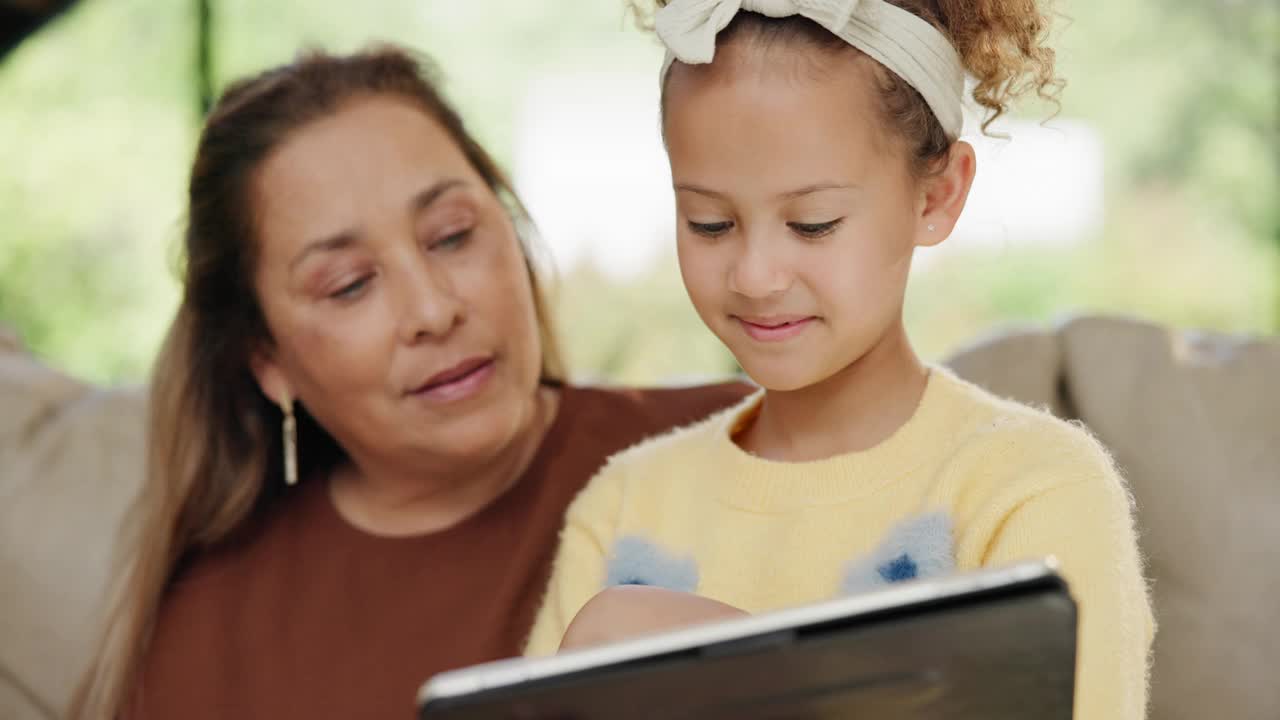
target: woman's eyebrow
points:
(346, 238)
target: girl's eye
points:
(453, 241)
(815, 230)
(714, 229)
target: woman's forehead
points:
(370, 158)
(374, 135)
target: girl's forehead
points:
(791, 80)
(759, 117)
(792, 59)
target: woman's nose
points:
(430, 307)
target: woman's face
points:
(395, 289)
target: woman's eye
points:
(714, 229)
(351, 290)
(815, 230)
(452, 241)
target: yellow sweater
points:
(970, 481)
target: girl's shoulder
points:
(1008, 431)
(676, 450)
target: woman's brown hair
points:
(214, 447)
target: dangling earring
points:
(290, 443)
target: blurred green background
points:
(100, 110)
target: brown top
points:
(312, 618)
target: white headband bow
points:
(909, 46)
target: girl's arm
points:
(1085, 522)
(578, 572)
(628, 611)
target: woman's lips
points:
(458, 382)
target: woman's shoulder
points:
(662, 407)
(207, 591)
(628, 425)
(684, 449)
(621, 417)
(595, 422)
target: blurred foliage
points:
(638, 332)
(98, 116)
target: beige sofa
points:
(1194, 420)
(70, 463)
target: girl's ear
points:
(943, 195)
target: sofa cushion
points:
(1193, 420)
(70, 464)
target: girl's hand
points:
(627, 611)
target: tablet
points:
(990, 644)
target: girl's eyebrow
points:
(818, 187)
(699, 190)
(788, 195)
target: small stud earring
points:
(932, 227)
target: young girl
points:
(813, 146)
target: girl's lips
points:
(775, 328)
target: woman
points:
(360, 318)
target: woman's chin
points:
(480, 434)
(483, 431)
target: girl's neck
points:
(854, 410)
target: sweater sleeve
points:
(1084, 520)
(579, 570)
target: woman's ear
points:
(943, 195)
(270, 377)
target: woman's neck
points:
(854, 410)
(387, 499)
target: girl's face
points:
(797, 214)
